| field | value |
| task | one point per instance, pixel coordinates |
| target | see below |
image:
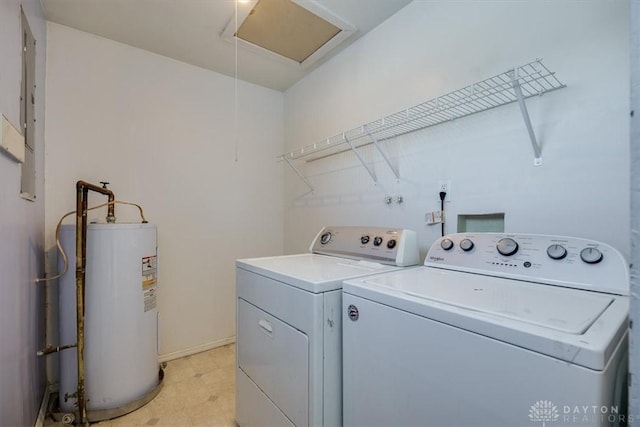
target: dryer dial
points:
(325, 238)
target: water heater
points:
(121, 320)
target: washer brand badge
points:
(353, 312)
(543, 411)
(436, 258)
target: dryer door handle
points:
(266, 326)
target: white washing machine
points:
(494, 330)
(289, 353)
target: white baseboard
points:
(197, 349)
(43, 408)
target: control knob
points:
(556, 251)
(325, 238)
(391, 244)
(507, 246)
(591, 255)
(446, 244)
(466, 245)
(377, 241)
(364, 240)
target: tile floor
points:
(199, 390)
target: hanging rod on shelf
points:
(513, 85)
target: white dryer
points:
(289, 367)
(494, 330)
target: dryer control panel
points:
(556, 260)
(393, 246)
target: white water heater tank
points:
(121, 319)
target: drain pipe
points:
(82, 193)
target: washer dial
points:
(391, 244)
(446, 244)
(591, 255)
(556, 251)
(507, 246)
(377, 241)
(466, 245)
(364, 240)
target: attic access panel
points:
(297, 31)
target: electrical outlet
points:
(444, 185)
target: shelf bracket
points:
(537, 161)
(371, 174)
(382, 153)
(295, 169)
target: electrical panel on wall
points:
(12, 141)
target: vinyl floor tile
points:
(198, 390)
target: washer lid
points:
(577, 326)
(547, 306)
(312, 272)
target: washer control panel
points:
(559, 260)
(394, 246)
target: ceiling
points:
(190, 31)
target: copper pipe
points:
(82, 195)
(80, 303)
(111, 217)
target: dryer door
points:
(276, 358)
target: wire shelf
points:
(514, 85)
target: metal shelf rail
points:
(517, 84)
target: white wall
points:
(22, 374)
(634, 311)
(432, 47)
(163, 134)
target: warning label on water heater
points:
(150, 281)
